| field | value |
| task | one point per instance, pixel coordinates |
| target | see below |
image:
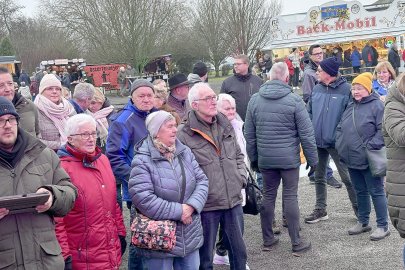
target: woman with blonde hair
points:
(383, 78)
(100, 108)
(54, 111)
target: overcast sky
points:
(289, 6)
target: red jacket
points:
(89, 233)
(290, 66)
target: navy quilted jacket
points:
(155, 188)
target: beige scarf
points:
(102, 122)
(58, 114)
(166, 151)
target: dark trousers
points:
(231, 220)
(356, 69)
(271, 182)
(296, 77)
(135, 260)
(320, 181)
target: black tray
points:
(24, 203)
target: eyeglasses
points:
(208, 99)
(317, 54)
(86, 136)
(12, 121)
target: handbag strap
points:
(355, 127)
(183, 185)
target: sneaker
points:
(380, 233)
(316, 216)
(359, 228)
(272, 244)
(331, 181)
(221, 260)
(276, 228)
(301, 247)
(312, 180)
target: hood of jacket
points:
(396, 94)
(193, 78)
(274, 89)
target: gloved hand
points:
(123, 243)
(254, 165)
(312, 170)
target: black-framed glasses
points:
(86, 136)
(317, 54)
(208, 99)
(12, 120)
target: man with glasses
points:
(25, 108)
(82, 96)
(326, 105)
(212, 140)
(28, 166)
(310, 79)
(242, 85)
(178, 87)
(127, 128)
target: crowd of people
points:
(179, 152)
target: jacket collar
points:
(192, 123)
(131, 107)
(147, 147)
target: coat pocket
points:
(7, 259)
(51, 255)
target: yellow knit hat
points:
(365, 79)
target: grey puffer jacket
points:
(155, 188)
(394, 138)
(276, 123)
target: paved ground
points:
(332, 248)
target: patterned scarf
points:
(102, 122)
(387, 85)
(166, 151)
(58, 114)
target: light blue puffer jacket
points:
(155, 188)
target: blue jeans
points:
(189, 262)
(365, 186)
(231, 220)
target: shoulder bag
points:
(377, 159)
(158, 235)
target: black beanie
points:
(6, 107)
(330, 65)
(200, 69)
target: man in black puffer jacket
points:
(276, 124)
(242, 85)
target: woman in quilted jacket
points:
(92, 235)
(156, 188)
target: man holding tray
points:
(28, 239)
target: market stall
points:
(343, 24)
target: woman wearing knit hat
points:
(167, 183)
(101, 109)
(361, 127)
(54, 110)
(383, 78)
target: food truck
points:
(12, 64)
(343, 24)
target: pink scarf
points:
(102, 122)
(56, 113)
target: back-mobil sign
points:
(339, 25)
(338, 21)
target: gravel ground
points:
(332, 247)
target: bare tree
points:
(210, 24)
(248, 22)
(118, 31)
(9, 12)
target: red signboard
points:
(104, 74)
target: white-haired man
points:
(276, 124)
(213, 142)
(82, 96)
